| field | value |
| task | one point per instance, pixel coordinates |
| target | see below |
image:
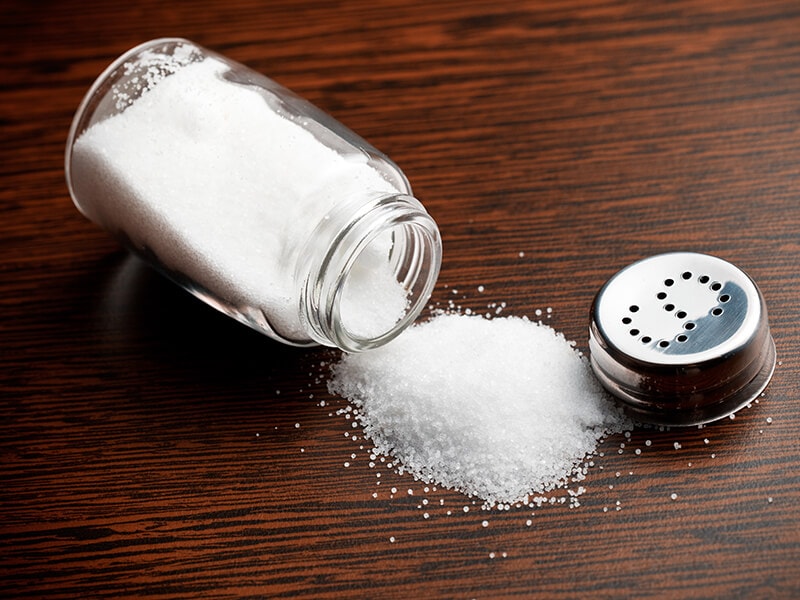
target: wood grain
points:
(153, 448)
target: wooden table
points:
(154, 448)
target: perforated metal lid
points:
(681, 338)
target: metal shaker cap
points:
(681, 339)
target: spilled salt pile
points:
(499, 409)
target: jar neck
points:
(367, 271)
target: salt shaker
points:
(251, 198)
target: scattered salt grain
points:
(498, 409)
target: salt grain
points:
(498, 409)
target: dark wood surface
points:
(154, 448)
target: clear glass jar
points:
(251, 198)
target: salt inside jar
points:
(251, 198)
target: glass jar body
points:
(251, 198)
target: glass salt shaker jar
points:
(251, 198)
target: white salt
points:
(499, 409)
(225, 191)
